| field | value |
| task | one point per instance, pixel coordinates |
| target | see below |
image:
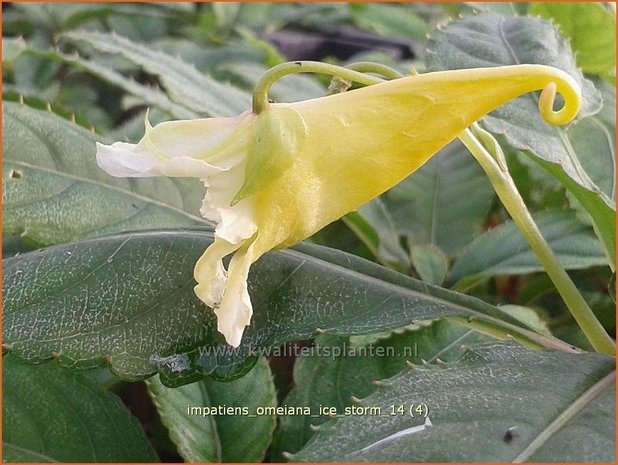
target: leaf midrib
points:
(110, 187)
(30, 452)
(561, 420)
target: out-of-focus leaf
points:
(390, 20)
(430, 263)
(373, 224)
(52, 415)
(148, 95)
(498, 402)
(503, 250)
(237, 434)
(184, 84)
(444, 203)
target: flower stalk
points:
(503, 184)
(260, 91)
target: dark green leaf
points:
(128, 300)
(349, 369)
(52, 415)
(53, 190)
(500, 402)
(203, 436)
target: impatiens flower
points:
(275, 178)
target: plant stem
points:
(504, 186)
(376, 68)
(260, 91)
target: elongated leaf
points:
(51, 415)
(445, 203)
(500, 402)
(492, 40)
(149, 95)
(184, 84)
(128, 300)
(504, 250)
(342, 369)
(591, 28)
(53, 190)
(212, 421)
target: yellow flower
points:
(277, 177)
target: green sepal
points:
(278, 134)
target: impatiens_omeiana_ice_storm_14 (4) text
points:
(278, 173)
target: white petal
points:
(210, 274)
(192, 148)
(196, 138)
(234, 312)
(234, 223)
(130, 160)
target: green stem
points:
(376, 68)
(510, 197)
(260, 92)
